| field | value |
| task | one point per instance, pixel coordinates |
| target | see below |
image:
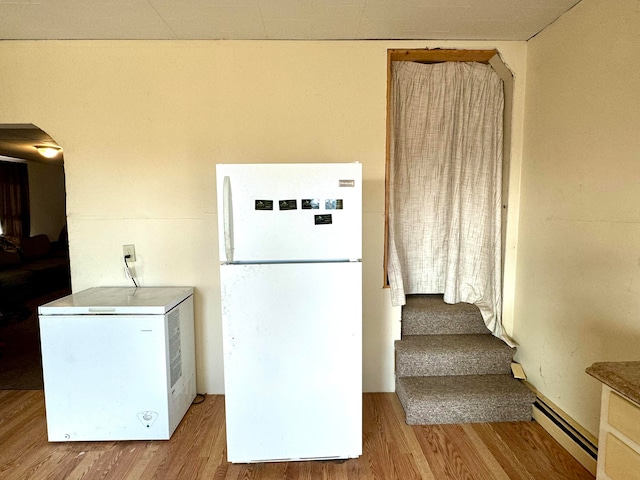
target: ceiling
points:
(261, 20)
(278, 19)
(19, 141)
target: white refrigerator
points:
(290, 239)
(118, 363)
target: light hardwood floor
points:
(391, 450)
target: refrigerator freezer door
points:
(289, 212)
(293, 360)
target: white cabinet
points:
(619, 444)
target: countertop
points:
(623, 377)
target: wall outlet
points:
(131, 251)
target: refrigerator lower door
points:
(293, 361)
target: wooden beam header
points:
(438, 55)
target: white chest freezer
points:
(118, 363)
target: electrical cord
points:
(126, 264)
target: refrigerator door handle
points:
(228, 219)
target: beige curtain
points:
(445, 185)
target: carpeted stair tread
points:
(464, 399)
(430, 315)
(449, 369)
(457, 354)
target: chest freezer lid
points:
(118, 301)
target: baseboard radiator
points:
(577, 441)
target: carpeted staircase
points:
(450, 369)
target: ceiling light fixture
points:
(48, 151)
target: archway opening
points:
(34, 254)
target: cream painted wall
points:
(47, 199)
(578, 268)
(144, 123)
